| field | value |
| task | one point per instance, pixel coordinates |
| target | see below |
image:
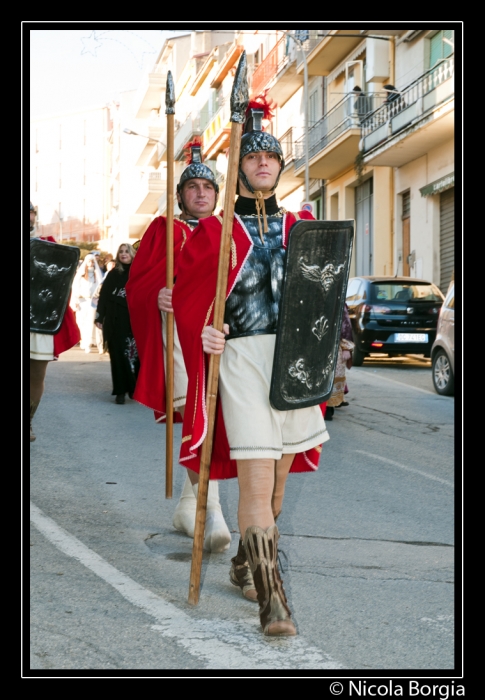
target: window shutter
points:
(435, 49)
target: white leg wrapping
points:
(184, 516)
(217, 536)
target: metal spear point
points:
(240, 92)
(239, 103)
(169, 95)
(170, 112)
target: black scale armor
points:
(253, 305)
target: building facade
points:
(70, 162)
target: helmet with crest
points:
(255, 139)
(195, 167)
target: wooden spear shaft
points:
(169, 284)
(219, 306)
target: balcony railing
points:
(287, 142)
(347, 114)
(219, 122)
(310, 40)
(271, 66)
(422, 95)
(189, 128)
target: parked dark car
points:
(392, 315)
(443, 350)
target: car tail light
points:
(375, 344)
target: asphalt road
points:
(368, 540)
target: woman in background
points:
(86, 281)
(113, 318)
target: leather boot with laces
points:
(240, 574)
(261, 547)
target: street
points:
(367, 540)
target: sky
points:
(80, 68)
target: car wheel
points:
(357, 357)
(443, 379)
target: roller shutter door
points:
(447, 237)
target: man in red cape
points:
(197, 193)
(252, 441)
(45, 348)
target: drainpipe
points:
(392, 60)
(391, 215)
(392, 78)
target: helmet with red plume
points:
(255, 139)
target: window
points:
(440, 49)
(313, 108)
(317, 207)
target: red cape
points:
(193, 303)
(68, 334)
(148, 275)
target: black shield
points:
(52, 270)
(314, 287)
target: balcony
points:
(278, 73)
(333, 141)
(149, 93)
(186, 133)
(288, 180)
(216, 136)
(151, 186)
(149, 154)
(420, 118)
(326, 48)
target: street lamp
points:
(135, 133)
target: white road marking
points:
(409, 469)
(219, 644)
(379, 377)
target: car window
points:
(353, 290)
(450, 300)
(395, 291)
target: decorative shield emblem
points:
(52, 270)
(314, 288)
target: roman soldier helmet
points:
(195, 166)
(255, 139)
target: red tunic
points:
(148, 275)
(193, 303)
(68, 334)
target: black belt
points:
(243, 334)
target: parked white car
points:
(443, 350)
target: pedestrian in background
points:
(112, 316)
(86, 281)
(98, 332)
(344, 362)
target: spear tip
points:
(240, 91)
(170, 95)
